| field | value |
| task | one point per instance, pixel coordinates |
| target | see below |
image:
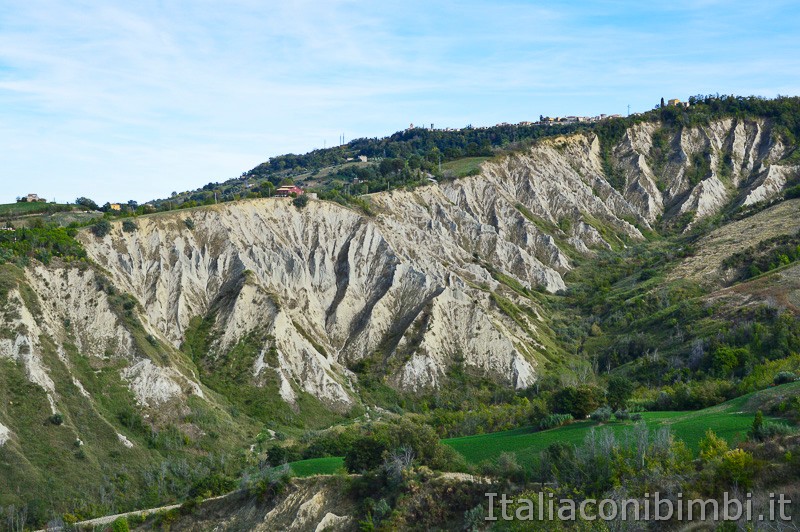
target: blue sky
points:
(132, 100)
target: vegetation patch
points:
(765, 256)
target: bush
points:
(129, 226)
(622, 415)
(773, 430)
(101, 228)
(278, 455)
(793, 192)
(369, 451)
(300, 201)
(712, 447)
(554, 420)
(56, 419)
(120, 525)
(636, 416)
(268, 481)
(602, 414)
(189, 223)
(737, 467)
(784, 377)
(507, 467)
(214, 484)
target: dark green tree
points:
(619, 391)
(578, 401)
(86, 202)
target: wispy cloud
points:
(120, 100)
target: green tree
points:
(726, 359)
(712, 447)
(86, 202)
(619, 391)
(578, 402)
(101, 228)
(756, 431)
(737, 467)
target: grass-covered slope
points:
(730, 420)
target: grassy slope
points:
(317, 466)
(730, 420)
(464, 167)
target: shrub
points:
(129, 226)
(554, 420)
(793, 192)
(771, 430)
(120, 525)
(602, 414)
(214, 484)
(300, 201)
(622, 415)
(784, 377)
(369, 451)
(189, 223)
(736, 468)
(475, 518)
(712, 447)
(508, 467)
(56, 419)
(268, 481)
(101, 228)
(637, 416)
(278, 455)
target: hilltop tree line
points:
(410, 158)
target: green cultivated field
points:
(317, 466)
(527, 444)
(20, 209)
(730, 420)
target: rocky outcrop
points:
(5, 434)
(702, 169)
(436, 276)
(413, 283)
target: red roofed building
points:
(287, 190)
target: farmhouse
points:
(287, 190)
(31, 198)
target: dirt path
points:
(108, 519)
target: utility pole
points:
(629, 109)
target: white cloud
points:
(134, 100)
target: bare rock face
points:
(330, 287)
(703, 169)
(327, 288)
(5, 434)
(439, 276)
